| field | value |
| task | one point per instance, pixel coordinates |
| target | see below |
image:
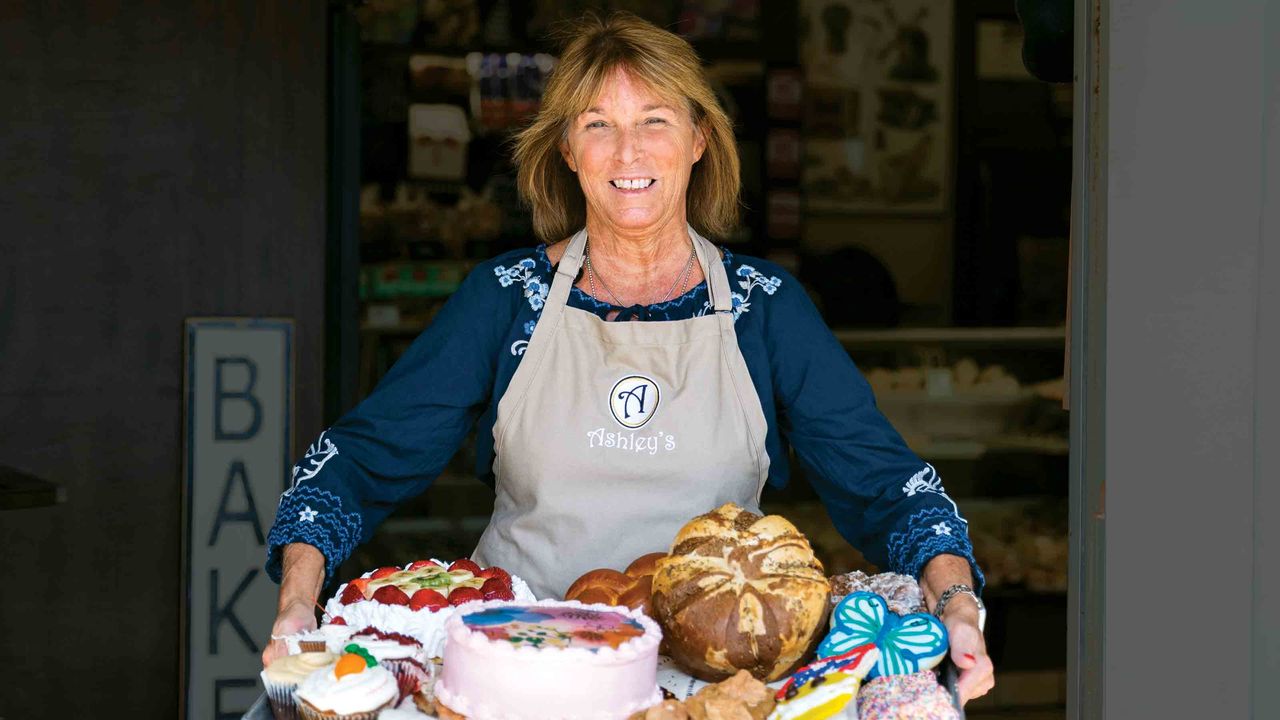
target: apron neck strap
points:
(708, 257)
(713, 270)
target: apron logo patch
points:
(634, 400)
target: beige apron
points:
(612, 435)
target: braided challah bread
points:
(629, 588)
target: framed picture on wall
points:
(878, 104)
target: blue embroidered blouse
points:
(881, 497)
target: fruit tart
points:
(417, 599)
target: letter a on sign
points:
(238, 459)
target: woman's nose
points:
(630, 146)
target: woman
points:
(603, 436)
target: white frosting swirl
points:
(354, 693)
(387, 649)
(293, 669)
(333, 636)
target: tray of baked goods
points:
(738, 620)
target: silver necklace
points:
(681, 280)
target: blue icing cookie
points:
(907, 643)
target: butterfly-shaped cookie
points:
(907, 643)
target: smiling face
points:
(633, 152)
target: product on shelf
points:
(1020, 544)
(741, 697)
(740, 592)
(561, 659)
(965, 377)
(418, 599)
(631, 588)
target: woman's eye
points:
(596, 124)
(655, 121)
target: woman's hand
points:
(300, 583)
(968, 649)
(960, 616)
(294, 617)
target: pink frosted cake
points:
(513, 661)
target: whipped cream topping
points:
(334, 638)
(426, 626)
(293, 669)
(355, 693)
(386, 648)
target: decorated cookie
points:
(825, 688)
(858, 661)
(826, 696)
(907, 643)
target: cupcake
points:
(917, 696)
(398, 653)
(354, 688)
(326, 638)
(283, 676)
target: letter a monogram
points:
(634, 400)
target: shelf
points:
(434, 525)
(1019, 336)
(975, 449)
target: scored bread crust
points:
(740, 591)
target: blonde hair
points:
(667, 64)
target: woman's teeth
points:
(632, 184)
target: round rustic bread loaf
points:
(630, 588)
(740, 592)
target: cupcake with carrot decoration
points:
(354, 688)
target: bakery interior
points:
(343, 165)
(900, 148)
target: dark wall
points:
(157, 160)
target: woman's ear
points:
(568, 156)
(699, 142)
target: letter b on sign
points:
(233, 381)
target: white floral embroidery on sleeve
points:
(927, 481)
(321, 451)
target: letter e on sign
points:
(237, 457)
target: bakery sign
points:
(238, 402)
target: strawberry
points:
(465, 564)
(383, 572)
(495, 589)
(418, 565)
(338, 621)
(429, 599)
(360, 583)
(390, 595)
(464, 594)
(351, 594)
(496, 572)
